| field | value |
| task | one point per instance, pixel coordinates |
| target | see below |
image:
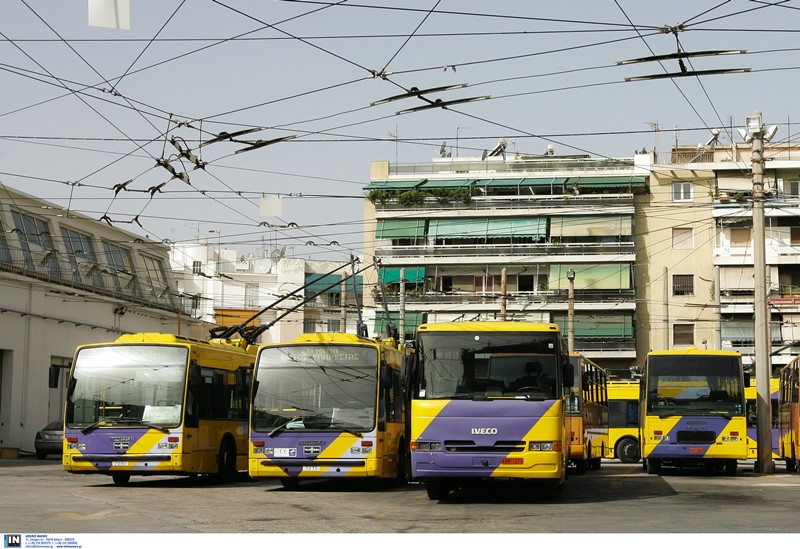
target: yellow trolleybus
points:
(158, 404)
(587, 412)
(692, 410)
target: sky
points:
(131, 127)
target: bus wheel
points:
(791, 465)
(730, 467)
(290, 483)
(580, 466)
(121, 479)
(627, 450)
(437, 490)
(551, 488)
(226, 470)
(595, 464)
(653, 466)
(400, 474)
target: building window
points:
(251, 294)
(682, 239)
(794, 238)
(683, 334)
(682, 284)
(740, 237)
(81, 256)
(197, 267)
(121, 266)
(36, 243)
(793, 189)
(681, 191)
(309, 326)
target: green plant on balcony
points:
(411, 197)
(380, 196)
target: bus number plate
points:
(513, 461)
(312, 468)
(119, 463)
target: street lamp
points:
(571, 311)
(757, 135)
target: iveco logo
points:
(484, 430)
(122, 445)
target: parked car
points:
(48, 440)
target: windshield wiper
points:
(109, 421)
(283, 426)
(132, 420)
(347, 429)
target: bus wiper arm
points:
(346, 429)
(130, 420)
(283, 426)
(95, 425)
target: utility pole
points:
(571, 311)
(763, 365)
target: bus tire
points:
(627, 450)
(290, 483)
(791, 465)
(581, 465)
(731, 466)
(121, 479)
(226, 467)
(653, 466)
(437, 491)
(400, 474)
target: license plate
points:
(119, 463)
(513, 461)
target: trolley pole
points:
(763, 365)
(571, 311)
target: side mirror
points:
(54, 376)
(747, 379)
(385, 376)
(241, 377)
(568, 374)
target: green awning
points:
(457, 228)
(598, 326)
(413, 275)
(318, 283)
(606, 276)
(400, 228)
(590, 225)
(446, 183)
(393, 185)
(412, 320)
(515, 183)
(609, 181)
(506, 227)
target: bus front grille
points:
(500, 447)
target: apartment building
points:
(496, 237)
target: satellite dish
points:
(485, 154)
(443, 149)
(277, 254)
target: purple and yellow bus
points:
(158, 404)
(693, 410)
(328, 406)
(488, 401)
(788, 415)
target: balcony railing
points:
(518, 300)
(515, 202)
(481, 249)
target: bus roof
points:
(489, 326)
(693, 351)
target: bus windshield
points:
(316, 387)
(484, 364)
(127, 385)
(694, 385)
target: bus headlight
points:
(80, 446)
(541, 446)
(429, 446)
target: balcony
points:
(521, 249)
